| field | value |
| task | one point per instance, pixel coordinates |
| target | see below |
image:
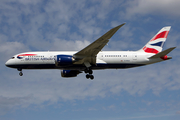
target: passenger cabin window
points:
(115, 56)
(124, 55)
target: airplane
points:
(72, 63)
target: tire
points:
(92, 77)
(87, 76)
(90, 72)
(21, 74)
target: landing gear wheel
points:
(21, 74)
(20, 69)
(90, 71)
(87, 76)
(91, 77)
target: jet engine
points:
(70, 73)
(64, 60)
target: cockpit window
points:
(12, 57)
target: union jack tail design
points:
(155, 45)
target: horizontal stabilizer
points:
(163, 53)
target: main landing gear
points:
(20, 73)
(88, 70)
(90, 76)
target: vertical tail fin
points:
(155, 45)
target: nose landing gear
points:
(20, 73)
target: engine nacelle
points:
(64, 60)
(69, 73)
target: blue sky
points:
(148, 92)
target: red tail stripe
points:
(150, 50)
(163, 34)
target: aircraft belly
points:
(75, 67)
(117, 66)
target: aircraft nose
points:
(8, 63)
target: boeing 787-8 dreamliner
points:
(72, 63)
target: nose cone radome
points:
(9, 63)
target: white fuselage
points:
(104, 60)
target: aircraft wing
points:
(88, 54)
